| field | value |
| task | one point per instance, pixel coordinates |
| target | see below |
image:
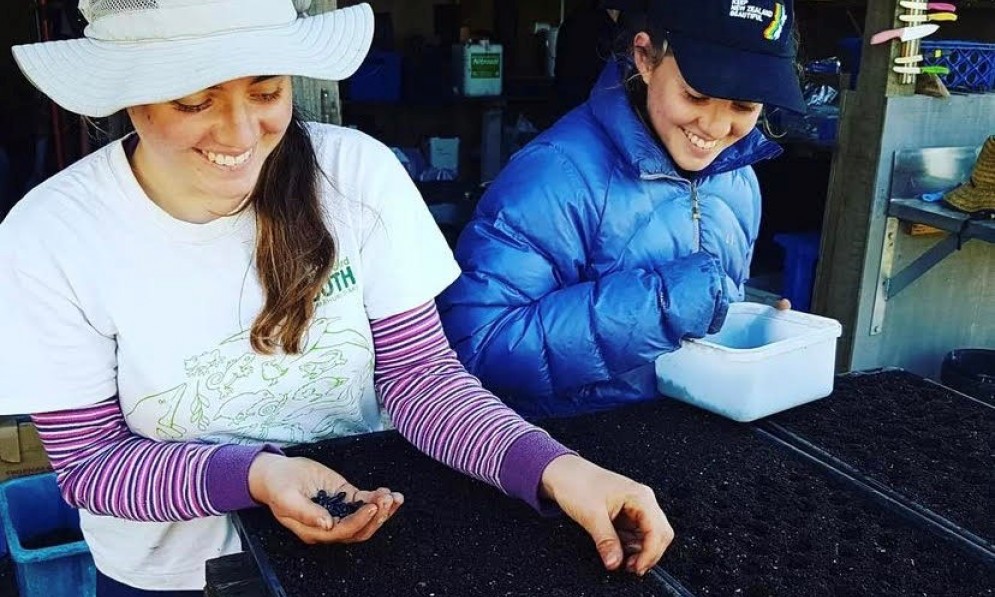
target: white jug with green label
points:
(478, 68)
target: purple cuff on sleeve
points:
(524, 463)
(227, 476)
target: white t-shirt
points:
(102, 293)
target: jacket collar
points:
(610, 105)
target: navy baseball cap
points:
(733, 49)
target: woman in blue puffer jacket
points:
(629, 224)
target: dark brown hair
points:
(633, 21)
(656, 52)
(295, 249)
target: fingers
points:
(607, 542)
(343, 530)
(398, 502)
(654, 530)
(386, 500)
(314, 524)
(365, 522)
(387, 504)
(298, 507)
(632, 543)
(783, 305)
(358, 526)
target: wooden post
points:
(317, 99)
(853, 178)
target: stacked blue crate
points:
(32, 511)
(971, 64)
(801, 253)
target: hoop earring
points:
(768, 128)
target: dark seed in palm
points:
(336, 505)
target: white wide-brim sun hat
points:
(137, 52)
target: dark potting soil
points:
(452, 537)
(920, 439)
(751, 519)
(754, 519)
(52, 539)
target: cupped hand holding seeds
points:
(292, 489)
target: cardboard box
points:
(21, 452)
(443, 153)
(921, 229)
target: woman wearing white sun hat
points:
(228, 280)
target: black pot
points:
(971, 371)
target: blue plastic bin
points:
(378, 79)
(32, 507)
(801, 252)
(850, 50)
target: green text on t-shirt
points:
(341, 281)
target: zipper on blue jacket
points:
(696, 215)
(695, 204)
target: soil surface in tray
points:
(754, 519)
(922, 440)
(452, 537)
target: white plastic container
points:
(478, 68)
(762, 362)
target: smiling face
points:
(200, 155)
(693, 127)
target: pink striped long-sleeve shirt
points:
(106, 469)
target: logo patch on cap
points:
(743, 9)
(773, 31)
